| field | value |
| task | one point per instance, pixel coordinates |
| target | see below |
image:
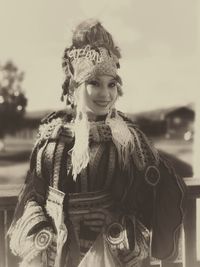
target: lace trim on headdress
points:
(95, 56)
(88, 62)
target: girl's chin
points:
(97, 112)
(103, 112)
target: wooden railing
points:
(8, 199)
(190, 223)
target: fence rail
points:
(8, 199)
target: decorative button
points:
(115, 233)
(152, 175)
(43, 239)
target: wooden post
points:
(12, 260)
(190, 226)
(2, 243)
(8, 200)
(190, 234)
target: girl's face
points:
(100, 94)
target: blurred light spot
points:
(19, 108)
(177, 120)
(4, 83)
(187, 136)
(1, 99)
(16, 93)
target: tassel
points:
(122, 138)
(80, 151)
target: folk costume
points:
(97, 192)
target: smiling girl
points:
(97, 192)
(101, 94)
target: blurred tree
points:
(12, 99)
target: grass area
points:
(13, 173)
(14, 161)
(180, 148)
(16, 150)
(179, 152)
(18, 144)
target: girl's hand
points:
(36, 262)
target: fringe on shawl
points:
(121, 137)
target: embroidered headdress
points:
(91, 54)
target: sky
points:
(159, 42)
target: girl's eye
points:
(93, 83)
(112, 84)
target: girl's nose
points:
(103, 92)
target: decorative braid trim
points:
(54, 207)
(57, 164)
(100, 132)
(48, 157)
(50, 130)
(39, 159)
(144, 153)
(111, 165)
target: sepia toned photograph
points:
(99, 133)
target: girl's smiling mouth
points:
(101, 103)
